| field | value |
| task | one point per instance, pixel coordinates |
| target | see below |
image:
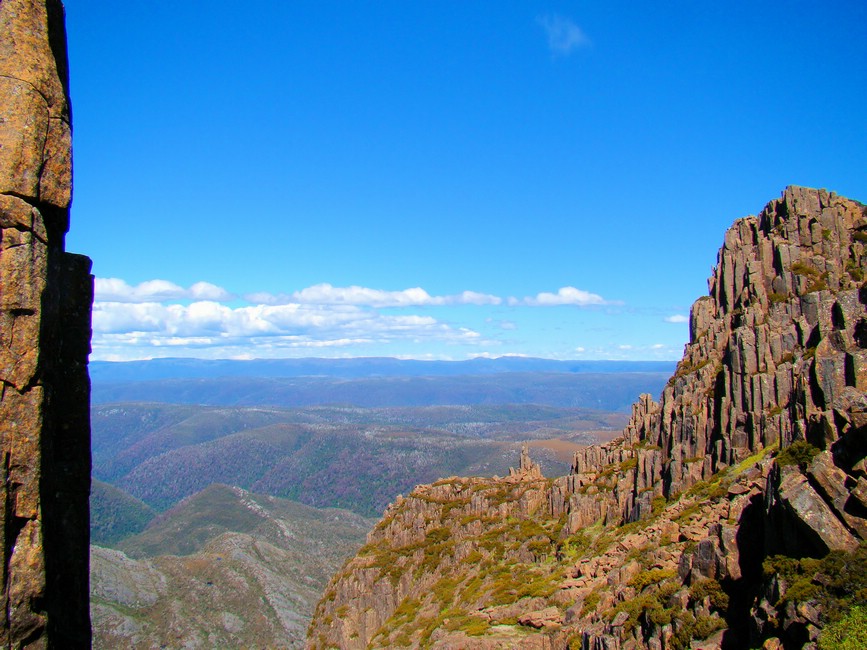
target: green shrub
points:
(817, 285)
(573, 546)
(799, 453)
(469, 625)
(847, 633)
(843, 582)
(634, 607)
(684, 625)
(687, 513)
(710, 588)
(590, 603)
(805, 269)
(706, 625)
(444, 590)
(650, 577)
(438, 535)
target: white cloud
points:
(564, 296)
(474, 298)
(564, 36)
(326, 294)
(208, 323)
(116, 290)
(159, 318)
(676, 318)
(208, 291)
(490, 355)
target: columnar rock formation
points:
(777, 353)
(45, 299)
(688, 530)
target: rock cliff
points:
(720, 518)
(45, 299)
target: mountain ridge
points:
(659, 538)
(606, 391)
(226, 568)
(177, 368)
(162, 452)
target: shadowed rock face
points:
(45, 300)
(756, 448)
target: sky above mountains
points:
(440, 179)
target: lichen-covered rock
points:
(45, 299)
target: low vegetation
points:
(837, 582)
(799, 453)
(849, 632)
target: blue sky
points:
(440, 179)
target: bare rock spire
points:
(45, 299)
(527, 469)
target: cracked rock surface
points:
(45, 299)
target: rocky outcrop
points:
(663, 537)
(775, 355)
(45, 299)
(527, 470)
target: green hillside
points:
(224, 569)
(347, 457)
(115, 514)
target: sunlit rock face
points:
(690, 528)
(45, 300)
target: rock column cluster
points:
(45, 300)
(755, 453)
(777, 353)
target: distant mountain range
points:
(323, 456)
(612, 391)
(156, 369)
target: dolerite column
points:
(45, 302)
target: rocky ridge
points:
(696, 527)
(45, 299)
(227, 568)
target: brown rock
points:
(860, 491)
(814, 517)
(23, 131)
(831, 482)
(45, 299)
(543, 618)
